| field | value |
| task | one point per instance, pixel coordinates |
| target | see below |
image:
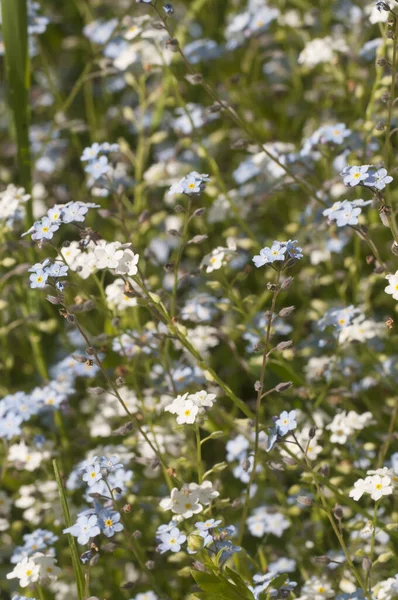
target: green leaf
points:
(285, 372)
(72, 542)
(240, 583)
(210, 582)
(15, 36)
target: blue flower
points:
(85, 528)
(355, 175)
(109, 522)
(97, 168)
(270, 255)
(378, 179)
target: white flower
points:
(379, 486)
(317, 589)
(24, 457)
(107, 256)
(48, 568)
(392, 287)
(361, 487)
(116, 296)
(205, 491)
(27, 571)
(127, 263)
(202, 399)
(182, 502)
(187, 412)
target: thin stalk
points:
(198, 453)
(392, 94)
(258, 410)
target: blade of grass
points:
(15, 35)
(72, 542)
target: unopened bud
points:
(195, 542)
(137, 534)
(283, 386)
(246, 464)
(96, 391)
(174, 232)
(168, 9)
(150, 565)
(195, 79)
(394, 248)
(258, 386)
(198, 566)
(385, 215)
(338, 512)
(287, 283)
(366, 564)
(286, 312)
(240, 144)
(199, 212)
(172, 44)
(283, 345)
(127, 508)
(120, 381)
(321, 560)
(312, 432)
(304, 500)
(325, 470)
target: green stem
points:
(198, 453)
(258, 411)
(392, 95)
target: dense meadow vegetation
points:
(198, 296)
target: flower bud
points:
(283, 386)
(195, 542)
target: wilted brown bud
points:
(137, 534)
(394, 248)
(127, 508)
(389, 323)
(150, 565)
(172, 472)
